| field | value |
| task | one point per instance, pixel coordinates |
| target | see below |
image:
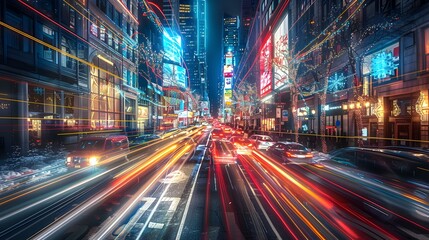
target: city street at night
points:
(196, 119)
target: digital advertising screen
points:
(228, 58)
(181, 76)
(281, 42)
(174, 75)
(228, 83)
(172, 44)
(265, 67)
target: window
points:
(102, 33)
(109, 38)
(94, 28)
(82, 54)
(68, 46)
(15, 40)
(81, 26)
(105, 96)
(426, 40)
(102, 5)
(47, 6)
(49, 37)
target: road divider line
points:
(188, 203)
(261, 207)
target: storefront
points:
(404, 121)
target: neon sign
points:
(266, 68)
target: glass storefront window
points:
(105, 98)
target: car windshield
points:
(295, 147)
(91, 145)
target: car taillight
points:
(288, 154)
(250, 145)
(309, 155)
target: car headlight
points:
(93, 161)
(69, 159)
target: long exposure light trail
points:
(79, 210)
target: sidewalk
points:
(39, 164)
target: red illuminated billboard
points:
(265, 66)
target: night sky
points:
(216, 9)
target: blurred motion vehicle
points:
(223, 152)
(189, 141)
(408, 149)
(393, 180)
(261, 141)
(402, 165)
(227, 132)
(217, 134)
(142, 139)
(291, 152)
(238, 132)
(166, 126)
(91, 151)
(243, 145)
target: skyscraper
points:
(188, 29)
(202, 45)
(230, 47)
(170, 9)
(230, 33)
(247, 15)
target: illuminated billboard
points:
(142, 112)
(181, 76)
(227, 96)
(227, 74)
(228, 83)
(168, 75)
(382, 64)
(228, 69)
(228, 58)
(280, 48)
(265, 66)
(172, 44)
(174, 75)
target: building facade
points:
(63, 70)
(347, 69)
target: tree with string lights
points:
(287, 66)
(246, 101)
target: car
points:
(223, 152)
(291, 152)
(142, 139)
(261, 142)
(166, 126)
(396, 180)
(385, 162)
(189, 141)
(227, 131)
(93, 150)
(243, 145)
(238, 132)
(217, 134)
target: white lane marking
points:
(174, 202)
(229, 177)
(155, 225)
(133, 222)
(188, 203)
(261, 207)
